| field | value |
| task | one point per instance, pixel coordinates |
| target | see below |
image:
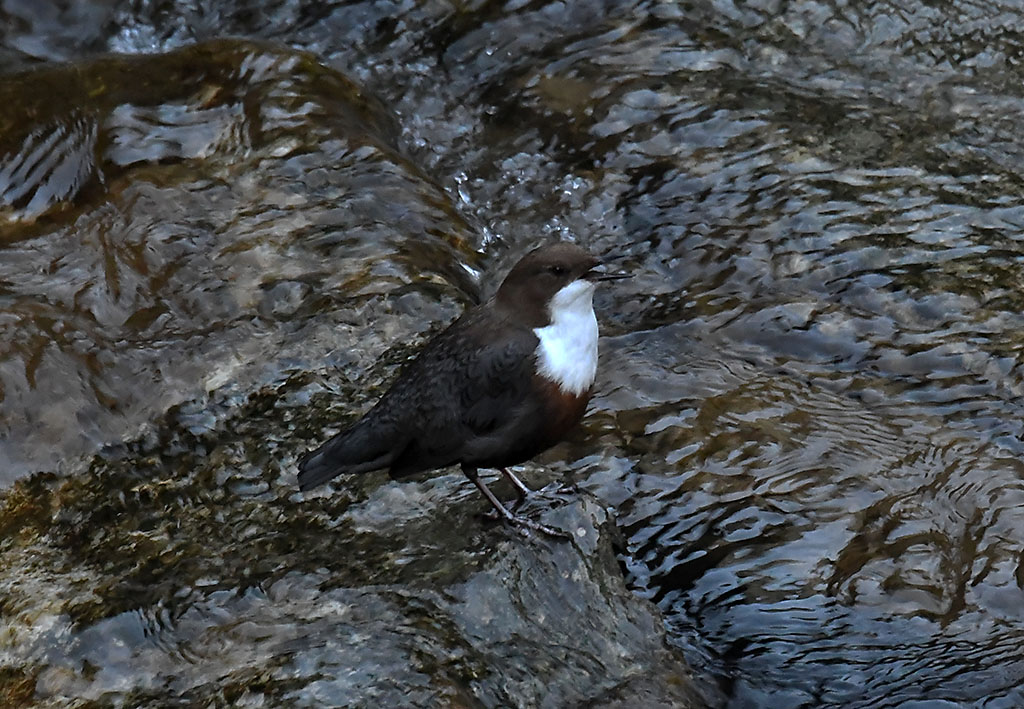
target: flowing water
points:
(809, 419)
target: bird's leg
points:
(521, 490)
(512, 519)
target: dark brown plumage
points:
(474, 396)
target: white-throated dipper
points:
(504, 382)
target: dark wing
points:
(471, 381)
(463, 386)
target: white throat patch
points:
(567, 353)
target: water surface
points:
(809, 418)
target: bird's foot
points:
(522, 524)
(492, 514)
(522, 493)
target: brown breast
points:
(561, 410)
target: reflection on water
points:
(809, 419)
(788, 530)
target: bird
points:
(506, 381)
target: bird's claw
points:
(521, 524)
(524, 525)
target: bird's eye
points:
(559, 270)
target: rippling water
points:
(809, 419)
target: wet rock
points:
(407, 597)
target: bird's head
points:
(551, 279)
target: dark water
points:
(809, 417)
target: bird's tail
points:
(352, 451)
(315, 469)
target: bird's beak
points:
(600, 273)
